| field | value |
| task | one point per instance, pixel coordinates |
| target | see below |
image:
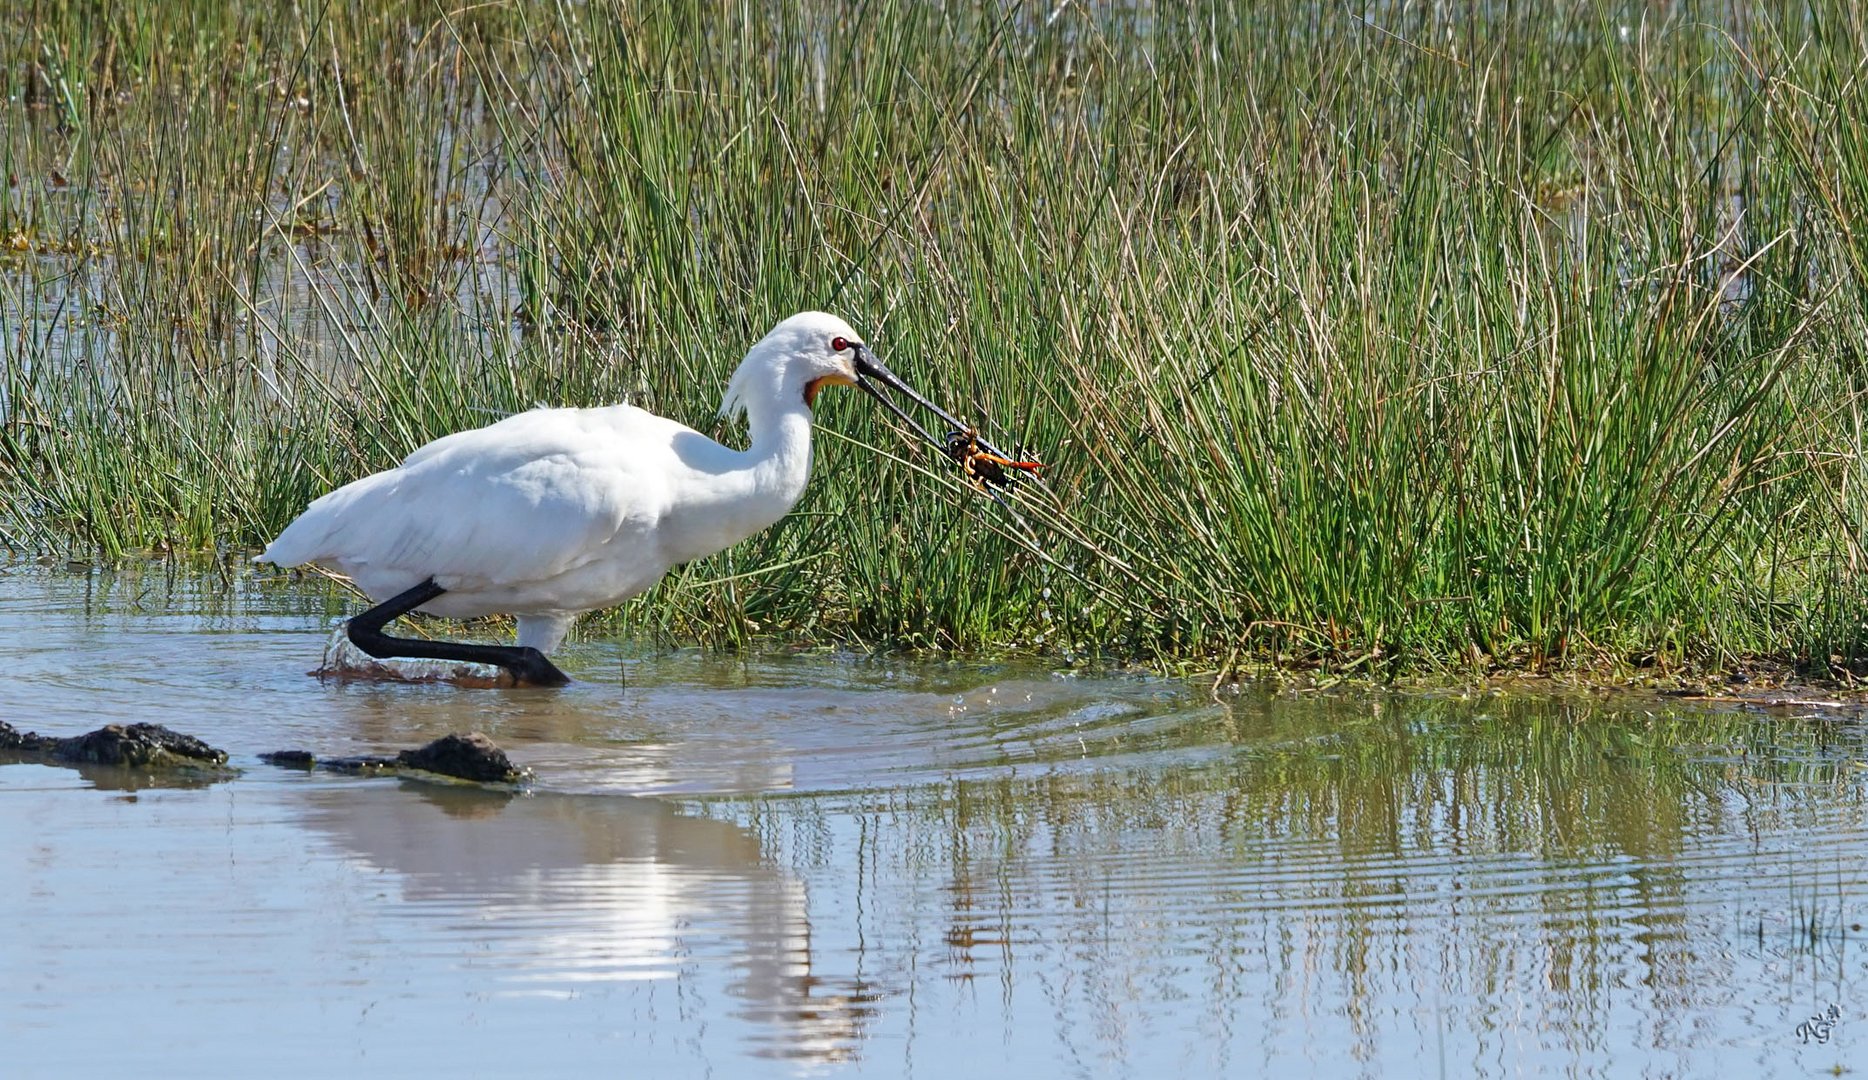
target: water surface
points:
(833, 865)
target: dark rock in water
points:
(290, 759)
(472, 756)
(140, 745)
(355, 766)
(12, 740)
(144, 746)
(465, 757)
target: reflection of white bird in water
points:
(558, 511)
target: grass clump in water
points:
(1384, 341)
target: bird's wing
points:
(521, 500)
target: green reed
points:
(1379, 338)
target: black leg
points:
(527, 665)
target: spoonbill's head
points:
(794, 362)
(812, 350)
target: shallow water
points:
(832, 865)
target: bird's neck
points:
(780, 455)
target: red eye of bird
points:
(838, 344)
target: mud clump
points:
(472, 756)
(139, 746)
(12, 742)
(290, 759)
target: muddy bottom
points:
(833, 865)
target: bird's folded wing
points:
(523, 500)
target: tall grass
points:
(1378, 336)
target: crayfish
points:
(981, 466)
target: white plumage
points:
(558, 511)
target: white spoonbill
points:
(553, 512)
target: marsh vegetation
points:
(1385, 337)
